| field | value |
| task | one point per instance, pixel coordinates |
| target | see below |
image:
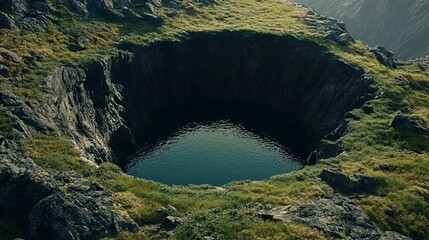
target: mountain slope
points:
(400, 25)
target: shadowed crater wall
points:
(112, 106)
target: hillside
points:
(84, 82)
(401, 26)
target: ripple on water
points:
(212, 153)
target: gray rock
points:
(337, 180)
(16, 6)
(343, 183)
(130, 14)
(389, 235)
(152, 9)
(6, 21)
(57, 205)
(41, 6)
(155, 20)
(170, 223)
(10, 55)
(33, 24)
(384, 56)
(126, 3)
(411, 124)
(335, 215)
(79, 8)
(100, 5)
(156, 3)
(4, 71)
(174, 5)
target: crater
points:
(290, 91)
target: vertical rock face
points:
(109, 106)
(399, 25)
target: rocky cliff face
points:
(400, 25)
(109, 106)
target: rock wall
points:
(108, 106)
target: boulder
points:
(343, 183)
(4, 71)
(33, 24)
(389, 235)
(79, 8)
(56, 205)
(126, 3)
(41, 6)
(12, 56)
(170, 223)
(6, 21)
(156, 3)
(76, 216)
(411, 124)
(152, 9)
(384, 56)
(130, 14)
(15, 6)
(155, 20)
(336, 215)
(337, 180)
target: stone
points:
(80, 216)
(171, 13)
(2, 139)
(155, 20)
(33, 24)
(152, 9)
(343, 183)
(41, 6)
(411, 124)
(79, 8)
(368, 109)
(6, 21)
(337, 180)
(130, 14)
(363, 183)
(126, 3)
(390, 235)
(384, 56)
(56, 205)
(4, 71)
(174, 5)
(16, 6)
(336, 215)
(10, 55)
(156, 3)
(171, 223)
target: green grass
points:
(398, 160)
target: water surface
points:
(212, 153)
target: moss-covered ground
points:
(398, 160)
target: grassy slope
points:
(398, 160)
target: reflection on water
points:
(212, 153)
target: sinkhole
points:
(210, 107)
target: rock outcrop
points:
(336, 215)
(357, 184)
(56, 205)
(410, 124)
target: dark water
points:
(212, 153)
